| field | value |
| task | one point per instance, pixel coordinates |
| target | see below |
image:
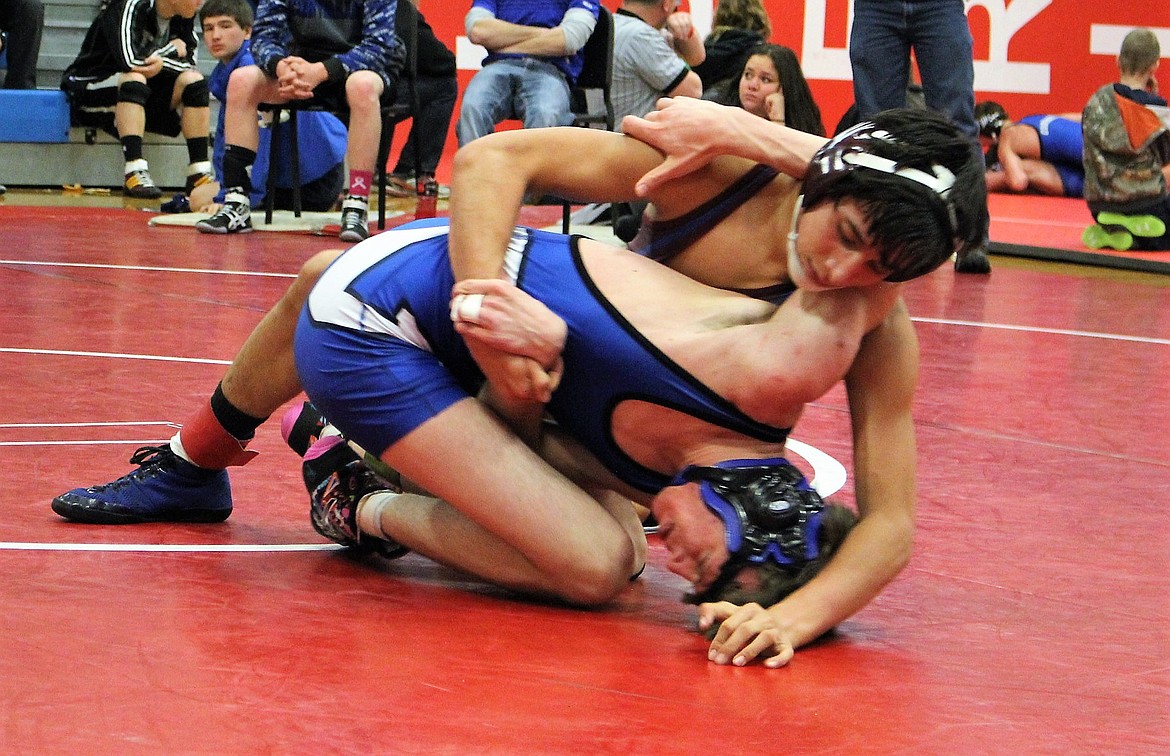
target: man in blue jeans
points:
(883, 34)
(533, 57)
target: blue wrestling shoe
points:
(337, 480)
(164, 488)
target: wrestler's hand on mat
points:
(747, 633)
(686, 130)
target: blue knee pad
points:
(133, 91)
(195, 94)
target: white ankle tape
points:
(369, 513)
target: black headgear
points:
(853, 149)
(990, 117)
(769, 513)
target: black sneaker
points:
(140, 185)
(398, 185)
(176, 204)
(974, 261)
(232, 218)
(337, 481)
(164, 488)
(355, 224)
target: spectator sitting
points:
(533, 57)
(1039, 154)
(136, 73)
(227, 28)
(773, 86)
(336, 54)
(1127, 154)
(437, 91)
(653, 49)
(738, 26)
(646, 65)
(21, 21)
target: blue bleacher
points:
(61, 155)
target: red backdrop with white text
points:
(1032, 56)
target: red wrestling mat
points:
(1029, 619)
(1049, 228)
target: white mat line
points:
(177, 548)
(116, 355)
(937, 321)
(107, 266)
(829, 475)
(121, 423)
(1036, 329)
(114, 442)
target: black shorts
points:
(92, 102)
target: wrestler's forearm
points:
(486, 195)
(760, 140)
(495, 35)
(548, 43)
(872, 556)
(526, 419)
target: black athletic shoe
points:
(164, 488)
(140, 185)
(355, 220)
(337, 481)
(974, 261)
(232, 218)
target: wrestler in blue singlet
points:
(378, 354)
(1061, 144)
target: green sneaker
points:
(1098, 237)
(1138, 225)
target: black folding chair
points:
(590, 96)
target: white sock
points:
(177, 448)
(135, 165)
(194, 169)
(369, 513)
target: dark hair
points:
(800, 109)
(777, 581)
(239, 10)
(912, 242)
(990, 117)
